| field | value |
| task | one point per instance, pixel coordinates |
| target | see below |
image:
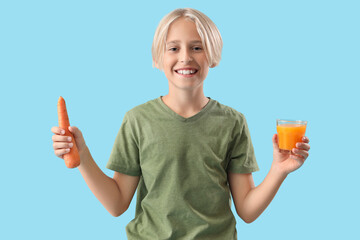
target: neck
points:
(185, 103)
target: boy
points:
(184, 152)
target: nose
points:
(185, 56)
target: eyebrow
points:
(177, 41)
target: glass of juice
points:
(289, 133)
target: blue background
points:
(281, 59)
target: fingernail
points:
(71, 144)
(69, 139)
(62, 132)
(67, 150)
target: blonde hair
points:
(208, 32)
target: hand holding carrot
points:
(68, 141)
(62, 143)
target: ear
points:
(156, 64)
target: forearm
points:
(103, 187)
(259, 198)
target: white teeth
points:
(185, 72)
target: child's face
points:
(185, 64)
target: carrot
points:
(72, 159)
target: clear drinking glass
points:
(289, 133)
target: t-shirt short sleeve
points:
(124, 157)
(242, 156)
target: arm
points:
(251, 201)
(115, 193)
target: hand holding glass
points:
(289, 133)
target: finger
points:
(62, 145)
(303, 146)
(275, 142)
(76, 131)
(78, 136)
(58, 130)
(60, 152)
(302, 153)
(58, 138)
(305, 139)
(298, 158)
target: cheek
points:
(168, 64)
(204, 62)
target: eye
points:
(197, 48)
(173, 49)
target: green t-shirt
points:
(183, 191)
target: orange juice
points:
(289, 135)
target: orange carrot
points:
(72, 159)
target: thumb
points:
(79, 139)
(275, 142)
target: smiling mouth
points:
(189, 72)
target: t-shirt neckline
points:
(181, 118)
